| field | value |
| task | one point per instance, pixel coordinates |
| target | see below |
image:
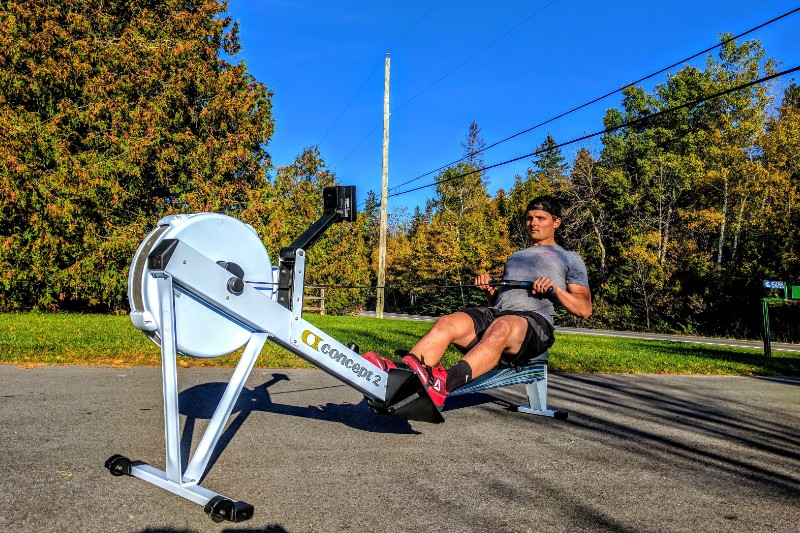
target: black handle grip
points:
(519, 284)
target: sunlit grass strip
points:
(616, 355)
(59, 339)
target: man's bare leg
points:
(456, 328)
(506, 334)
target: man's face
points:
(541, 225)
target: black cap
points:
(545, 203)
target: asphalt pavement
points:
(638, 453)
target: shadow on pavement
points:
(647, 446)
(268, 529)
(200, 401)
(627, 412)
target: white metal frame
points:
(195, 275)
(186, 484)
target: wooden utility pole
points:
(384, 195)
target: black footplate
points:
(406, 398)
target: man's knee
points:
(455, 326)
(499, 328)
(505, 329)
(455, 320)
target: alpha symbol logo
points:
(310, 339)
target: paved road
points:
(639, 453)
(758, 345)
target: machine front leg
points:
(197, 466)
(218, 507)
(169, 375)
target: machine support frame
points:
(218, 286)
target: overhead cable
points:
(607, 130)
(378, 64)
(578, 108)
(473, 56)
(443, 77)
(354, 150)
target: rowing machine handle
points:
(515, 283)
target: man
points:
(518, 326)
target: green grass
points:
(30, 339)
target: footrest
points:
(406, 398)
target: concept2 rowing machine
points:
(187, 293)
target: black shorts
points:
(538, 338)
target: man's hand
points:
(542, 284)
(482, 282)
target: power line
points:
(367, 136)
(506, 34)
(349, 104)
(377, 65)
(609, 129)
(415, 25)
(578, 108)
(446, 75)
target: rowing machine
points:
(188, 295)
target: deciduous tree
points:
(114, 113)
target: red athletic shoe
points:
(380, 362)
(437, 388)
(417, 366)
(433, 378)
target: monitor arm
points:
(339, 204)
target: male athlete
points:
(518, 327)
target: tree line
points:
(679, 218)
(115, 113)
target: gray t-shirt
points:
(562, 266)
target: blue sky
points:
(506, 65)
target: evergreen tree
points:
(113, 114)
(372, 220)
(473, 147)
(549, 162)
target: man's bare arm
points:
(577, 299)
